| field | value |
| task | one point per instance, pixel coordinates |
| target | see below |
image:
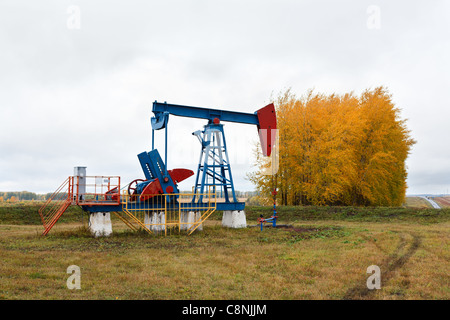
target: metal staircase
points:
(56, 205)
(131, 221)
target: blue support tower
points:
(214, 170)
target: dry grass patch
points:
(315, 259)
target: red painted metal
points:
(154, 187)
(179, 175)
(151, 190)
(112, 194)
(267, 123)
(56, 216)
(132, 185)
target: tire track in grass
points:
(388, 267)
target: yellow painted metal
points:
(126, 220)
(158, 216)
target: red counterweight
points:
(154, 187)
(266, 129)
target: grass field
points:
(444, 202)
(417, 202)
(324, 255)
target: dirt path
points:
(387, 267)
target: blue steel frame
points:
(219, 170)
(154, 168)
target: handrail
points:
(51, 206)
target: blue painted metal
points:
(230, 206)
(95, 208)
(272, 219)
(154, 168)
(161, 111)
(274, 214)
(153, 139)
(214, 168)
(160, 120)
(165, 149)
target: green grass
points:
(417, 202)
(26, 213)
(357, 214)
(323, 255)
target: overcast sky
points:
(78, 78)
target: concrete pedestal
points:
(100, 224)
(198, 216)
(189, 219)
(234, 219)
(150, 219)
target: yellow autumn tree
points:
(338, 150)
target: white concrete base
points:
(188, 219)
(150, 219)
(198, 216)
(234, 219)
(100, 224)
(182, 219)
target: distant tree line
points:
(23, 195)
(12, 196)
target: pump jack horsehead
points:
(154, 203)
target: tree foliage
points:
(20, 195)
(338, 150)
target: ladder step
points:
(56, 216)
(56, 205)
